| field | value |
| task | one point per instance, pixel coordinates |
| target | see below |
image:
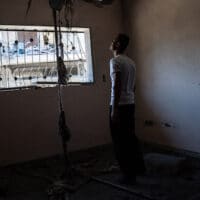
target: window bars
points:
(28, 56)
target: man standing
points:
(122, 111)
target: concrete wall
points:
(28, 119)
(166, 44)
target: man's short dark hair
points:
(123, 40)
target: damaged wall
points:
(166, 44)
(28, 118)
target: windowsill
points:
(36, 87)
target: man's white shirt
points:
(126, 67)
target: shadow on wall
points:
(165, 44)
(149, 125)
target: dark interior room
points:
(99, 100)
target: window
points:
(28, 56)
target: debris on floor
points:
(169, 177)
(167, 164)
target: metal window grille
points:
(28, 56)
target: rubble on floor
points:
(168, 177)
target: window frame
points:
(35, 28)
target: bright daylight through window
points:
(28, 56)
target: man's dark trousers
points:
(125, 142)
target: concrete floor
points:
(169, 177)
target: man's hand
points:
(116, 97)
(115, 115)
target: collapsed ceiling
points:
(60, 3)
(100, 2)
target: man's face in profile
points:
(115, 45)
